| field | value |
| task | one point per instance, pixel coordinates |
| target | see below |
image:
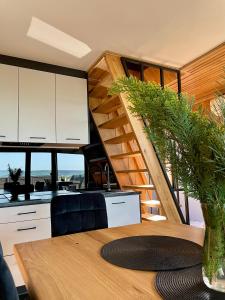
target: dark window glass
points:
(134, 69)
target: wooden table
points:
(70, 267)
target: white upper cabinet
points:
(8, 103)
(36, 106)
(71, 110)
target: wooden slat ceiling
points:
(204, 76)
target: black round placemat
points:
(186, 284)
(152, 253)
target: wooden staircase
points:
(130, 153)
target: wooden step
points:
(121, 138)
(104, 82)
(151, 217)
(97, 75)
(132, 171)
(139, 186)
(108, 105)
(99, 92)
(126, 155)
(114, 123)
(151, 203)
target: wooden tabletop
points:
(70, 267)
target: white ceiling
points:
(169, 32)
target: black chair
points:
(78, 213)
(8, 290)
(39, 186)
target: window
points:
(41, 170)
(15, 160)
(152, 74)
(170, 79)
(70, 170)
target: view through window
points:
(70, 170)
(41, 170)
(15, 160)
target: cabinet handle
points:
(2, 136)
(28, 228)
(26, 213)
(72, 139)
(122, 202)
(38, 137)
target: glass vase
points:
(213, 268)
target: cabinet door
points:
(24, 213)
(36, 106)
(21, 232)
(123, 210)
(8, 103)
(71, 110)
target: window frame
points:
(54, 164)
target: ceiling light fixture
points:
(56, 38)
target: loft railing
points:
(165, 77)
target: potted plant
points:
(194, 144)
(14, 175)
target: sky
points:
(41, 161)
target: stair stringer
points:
(147, 150)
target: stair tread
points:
(126, 155)
(151, 217)
(115, 122)
(121, 138)
(151, 203)
(98, 77)
(108, 105)
(99, 92)
(131, 171)
(139, 186)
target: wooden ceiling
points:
(205, 76)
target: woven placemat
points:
(152, 253)
(186, 284)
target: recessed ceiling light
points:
(56, 38)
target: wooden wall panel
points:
(204, 76)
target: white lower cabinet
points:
(24, 213)
(123, 210)
(20, 232)
(21, 224)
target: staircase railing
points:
(137, 69)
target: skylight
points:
(56, 38)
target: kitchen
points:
(102, 151)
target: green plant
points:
(194, 144)
(14, 173)
(191, 141)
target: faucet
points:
(108, 177)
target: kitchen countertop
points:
(46, 196)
